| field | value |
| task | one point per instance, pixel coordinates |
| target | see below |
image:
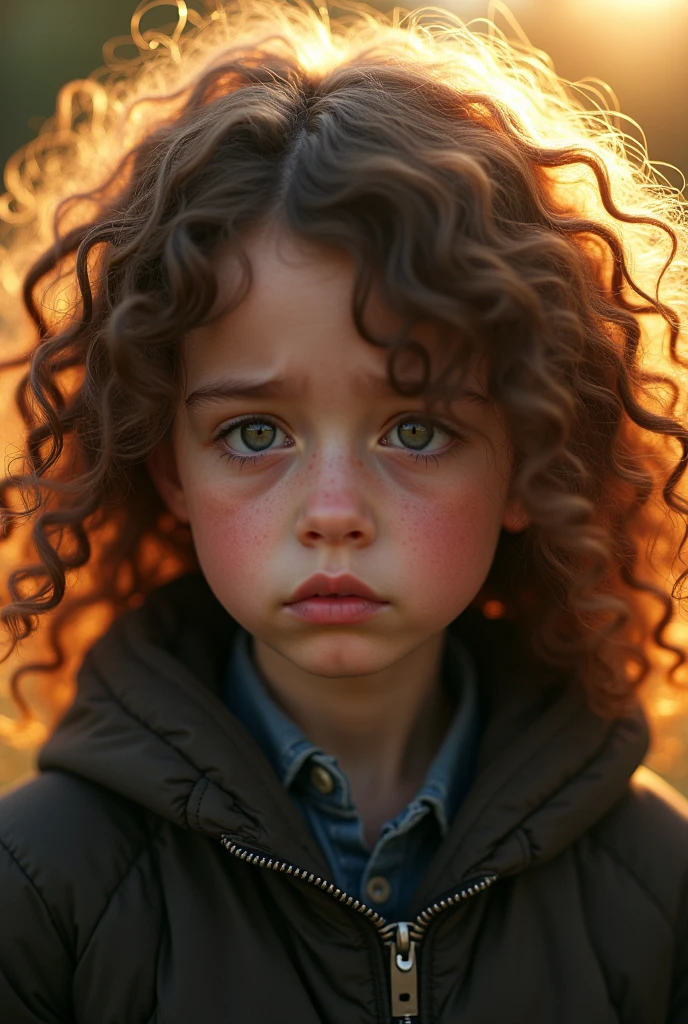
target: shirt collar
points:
(288, 749)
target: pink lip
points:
(322, 585)
(340, 610)
(330, 599)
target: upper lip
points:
(322, 585)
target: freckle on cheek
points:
(437, 537)
(236, 534)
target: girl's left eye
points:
(416, 435)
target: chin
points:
(338, 656)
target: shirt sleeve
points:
(35, 967)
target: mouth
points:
(343, 599)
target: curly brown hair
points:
(468, 184)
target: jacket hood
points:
(148, 723)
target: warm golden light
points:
(641, 7)
(649, 4)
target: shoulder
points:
(646, 834)
(65, 846)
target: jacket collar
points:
(548, 767)
(148, 724)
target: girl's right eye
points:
(252, 436)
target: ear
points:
(162, 467)
(515, 518)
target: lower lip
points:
(336, 609)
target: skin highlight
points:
(336, 490)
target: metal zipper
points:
(402, 937)
(403, 974)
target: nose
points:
(334, 512)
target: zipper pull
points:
(403, 973)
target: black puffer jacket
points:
(156, 871)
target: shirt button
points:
(321, 779)
(378, 889)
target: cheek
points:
(448, 545)
(235, 539)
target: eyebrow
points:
(279, 387)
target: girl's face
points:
(294, 457)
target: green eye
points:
(415, 435)
(257, 435)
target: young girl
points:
(353, 399)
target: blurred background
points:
(639, 48)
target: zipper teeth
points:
(305, 876)
(426, 916)
(387, 930)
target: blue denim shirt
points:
(385, 877)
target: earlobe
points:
(162, 467)
(515, 518)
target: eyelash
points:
(425, 457)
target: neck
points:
(384, 729)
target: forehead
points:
(295, 322)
